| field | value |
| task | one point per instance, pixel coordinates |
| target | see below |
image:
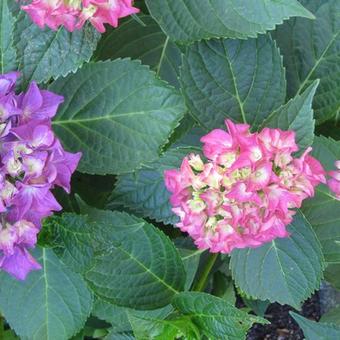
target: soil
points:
(282, 326)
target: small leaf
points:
(45, 54)
(311, 50)
(241, 80)
(215, 317)
(316, 330)
(136, 265)
(52, 303)
(332, 316)
(117, 113)
(147, 43)
(296, 115)
(7, 51)
(186, 21)
(259, 307)
(286, 270)
(143, 191)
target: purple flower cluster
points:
(32, 163)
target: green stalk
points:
(202, 282)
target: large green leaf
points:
(323, 210)
(143, 191)
(296, 115)
(147, 43)
(117, 113)
(46, 54)
(7, 51)
(52, 303)
(214, 316)
(317, 330)
(136, 265)
(242, 80)
(311, 50)
(74, 244)
(186, 21)
(286, 270)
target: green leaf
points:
(214, 316)
(286, 270)
(191, 138)
(75, 236)
(185, 21)
(143, 191)
(7, 51)
(223, 287)
(52, 303)
(148, 328)
(316, 330)
(9, 335)
(332, 274)
(311, 50)
(332, 316)
(259, 307)
(191, 260)
(45, 54)
(184, 127)
(119, 336)
(296, 115)
(117, 113)
(118, 316)
(241, 80)
(147, 43)
(136, 265)
(323, 210)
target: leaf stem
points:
(2, 327)
(202, 281)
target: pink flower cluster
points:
(74, 13)
(32, 163)
(244, 195)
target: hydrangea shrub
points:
(160, 160)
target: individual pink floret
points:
(334, 181)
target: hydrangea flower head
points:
(73, 14)
(32, 163)
(245, 194)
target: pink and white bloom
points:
(73, 14)
(246, 192)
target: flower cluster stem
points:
(202, 281)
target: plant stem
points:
(2, 327)
(201, 283)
